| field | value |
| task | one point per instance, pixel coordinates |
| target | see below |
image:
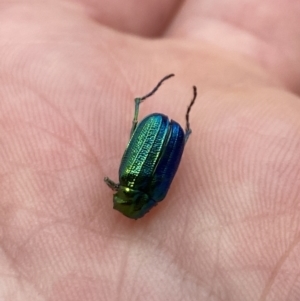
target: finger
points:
(267, 32)
(146, 18)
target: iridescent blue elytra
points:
(150, 160)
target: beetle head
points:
(132, 203)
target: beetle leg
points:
(188, 130)
(136, 114)
(111, 184)
(187, 135)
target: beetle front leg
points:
(111, 184)
(136, 115)
(187, 135)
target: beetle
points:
(150, 160)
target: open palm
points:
(229, 228)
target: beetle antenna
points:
(138, 100)
(156, 88)
(188, 129)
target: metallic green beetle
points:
(150, 160)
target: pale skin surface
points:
(229, 228)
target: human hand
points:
(229, 227)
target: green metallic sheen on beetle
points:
(150, 160)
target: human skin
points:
(229, 228)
